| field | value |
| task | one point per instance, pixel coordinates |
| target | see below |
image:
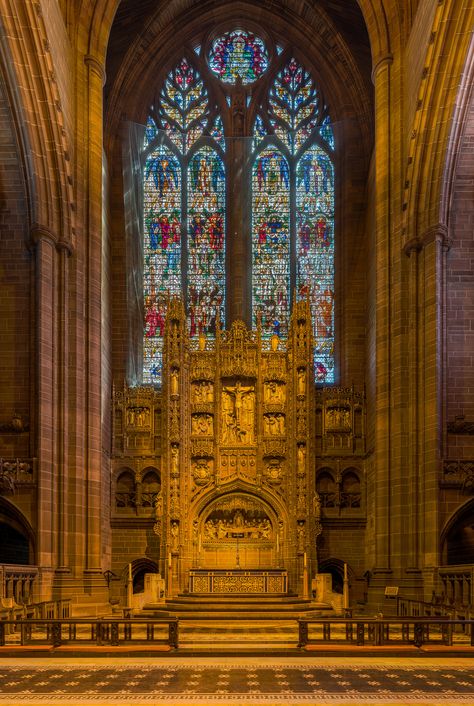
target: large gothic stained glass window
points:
(286, 177)
(293, 210)
(184, 212)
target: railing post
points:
(114, 634)
(2, 633)
(302, 633)
(418, 634)
(56, 634)
(360, 632)
(173, 634)
(98, 633)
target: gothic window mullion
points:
(184, 228)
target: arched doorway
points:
(17, 545)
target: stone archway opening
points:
(238, 531)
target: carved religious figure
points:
(174, 459)
(174, 530)
(201, 424)
(338, 418)
(174, 384)
(238, 408)
(203, 391)
(159, 505)
(301, 386)
(274, 392)
(274, 424)
(301, 459)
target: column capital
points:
(386, 60)
(66, 247)
(95, 65)
(436, 233)
(39, 233)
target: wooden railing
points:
(409, 607)
(83, 631)
(377, 632)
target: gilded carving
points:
(274, 393)
(338, 419)
(274, 424)
(273, 472)
(201, 448)
(138, 416)
(237, 462)
(238, 414)
(174, 382)
(174, 532)
(201, 469)
(301, 460)
(174, 460)
(238, 525)
(301, 382)
(202, 425)
(202, 391)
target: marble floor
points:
(246, 680)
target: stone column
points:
(238, 249)
(381, 78)
(95, 77)
(435, 245)
(46, 385)
(64, 251)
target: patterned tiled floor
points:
(250, 681)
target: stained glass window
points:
(301, 129)
(315, 252)
(286, 163)
(238, 54)
(271, 242)
(184, 212)
(162, 252)
(206, 261)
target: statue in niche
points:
(174, 459)
(174, 534)
(274, 392)
(300, 536)
(201, 424)
(316, 505)
(202, 341)
(174, 384)
(274, 342)
(159, 505)
(301, 459)
(301, 386)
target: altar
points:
(238, 581)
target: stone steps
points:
(236, 608)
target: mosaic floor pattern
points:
(249, 681)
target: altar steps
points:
(238, 607)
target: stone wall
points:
(16, 321)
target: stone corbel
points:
(437, 233)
